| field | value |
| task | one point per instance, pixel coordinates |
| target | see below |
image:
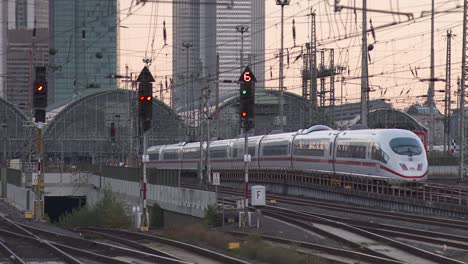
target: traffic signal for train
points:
(145, 98)
(40, 95)
(247, 98)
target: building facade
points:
(83, 47)
(26, 45)
(210, 26)
(229, 14)
(25, 52)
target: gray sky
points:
(400, 59)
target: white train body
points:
(394, 154)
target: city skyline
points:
(391, 48)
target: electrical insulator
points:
(294, 32)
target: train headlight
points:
(420, 167)
(403, 167)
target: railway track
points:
(380, 239)
(83, 250)
(22, 246)
(434, 221)
(330, 253)
(140, 238)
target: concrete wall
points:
(18, 197)
(180, 200)
(443, 172)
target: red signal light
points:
(142, 98)
(244, 114)
(40, 88)
(148, 98)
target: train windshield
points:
(406, 146)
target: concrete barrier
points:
(180, 200)
(443, 172)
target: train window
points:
(234, 153)
(275, 150)
(191, 154)
(171, 155)
(379, 154)
(351, 151)
(154, 156)
(309, 148)
(406, 146)
(218, 153)
(252, 151)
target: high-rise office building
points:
(25, 52)
(247, 13)
(83, 43)
(26, 46)
(27, 14)
(210, 26)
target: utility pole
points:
(332, 88)
(242, 29)
(364, 71)
(217, 96)
(322, 87)
(313, 68)
(461, 140)
(282, 3)
(188, 106)
(448, 97)
(204, 170)
(430, 93)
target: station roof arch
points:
(80, 128)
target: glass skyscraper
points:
(211, 28)
(83, 46)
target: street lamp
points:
(282, 3)
(242, 29)
(189, 107)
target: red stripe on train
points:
(400, 175)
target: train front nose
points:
(413, 170)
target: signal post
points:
(39, 108)
(145, 114)
(247, 82)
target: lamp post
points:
(242, 29)
(282, 3)
(189, 107)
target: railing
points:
(446, 194)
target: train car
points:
(220, 154)
(191, 156)
(238, 152)
(275, 150)
(394, 155)
(402, 155)
(313, 149)
(169, 157)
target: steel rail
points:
(10, 254)
(73, 242)
(355, 255)
(441, 222)
(56, 251)
(195, 249)
(294, 216)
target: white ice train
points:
(394, 154)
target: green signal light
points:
(244, 91)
